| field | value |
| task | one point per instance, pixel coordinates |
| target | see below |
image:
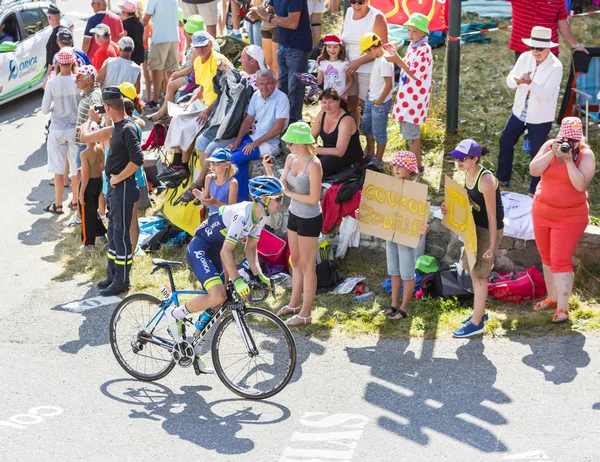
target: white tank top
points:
(354, 30)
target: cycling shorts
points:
(204, 259)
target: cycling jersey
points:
(232, 223)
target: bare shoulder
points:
(488, 182)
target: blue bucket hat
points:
(220, 155)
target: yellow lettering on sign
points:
(457, 203)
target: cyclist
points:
(211, 251)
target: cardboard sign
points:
(394, 210)
(459, 218)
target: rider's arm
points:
(252, 255)
(228, 260)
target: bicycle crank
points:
(183, 354)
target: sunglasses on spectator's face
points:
(536, 49)
(360, 2)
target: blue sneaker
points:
(469, 330)
(237, 36)
(485, 318)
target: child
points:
(379, 98)
(401, 259)
(92, 164)
(220, 186)
(332, 66)
(488, 214)
(412, 101)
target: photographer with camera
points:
(560, 209)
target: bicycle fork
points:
(245, 333)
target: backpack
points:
(451, 281)
(523, 287)
(327, 276)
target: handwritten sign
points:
(459, 218)
(394, 210)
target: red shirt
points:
(106, 50)
(526, 14)
(103, 17)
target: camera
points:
(565, 147)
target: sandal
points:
(53, 208)
(545, 304)
(403, 315)
(287, 310)
(388, 311)
(298, 320)
(73, 206)
(557, 318)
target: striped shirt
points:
(526, 14)
(90, 99)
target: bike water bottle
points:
(364, 297)
(526, 143)
(204, 318)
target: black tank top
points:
(478, 202)
(354, 150)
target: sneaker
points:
(204, 368)
(421, 170)
(151, 105)
(174, 171)
(469, 330)
(86, 248)
(175, 325)
(73, 221)
(485, 319)
(237, 36)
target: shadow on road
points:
(36, 159)
(559, 359)
(446, 395)
(213, 426)
(26, 106)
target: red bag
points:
(525, 286)
(271, 248)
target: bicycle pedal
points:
(197, 368)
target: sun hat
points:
(65, 36)
(87, 70)
(126, 43)
(418, 21)
(407, 160)
(298, 133)
(467, 148)
(426, 264)
(332, 39)
(66, 55)
(256, 53)
(367, 41)
(130, 6)
(541, 37)
(128, 90)
(220, 155)
(571, 128)
(101, 29)
(194, 24)
(200, 39)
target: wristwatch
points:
(271, 16)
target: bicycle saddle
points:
(165, 263)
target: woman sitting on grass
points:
(220, 186)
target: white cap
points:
(257, 53)
(126, 42)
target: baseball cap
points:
(298, 133)
(53, 9)
(126, 43)
(101, 29)
(332, 39)
(130, 6)
(418, 21)
(128, 90)
(65, 36)
(194, 24)
(467, 148)
(87, 70)
(220, 155)
(407, 160)
(66, 55)
(571, 128)
(111, 93)
(367, 41)
(200, 39)
(257, 53)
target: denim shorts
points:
(401, 259)
(375, 119)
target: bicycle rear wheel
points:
(143, 355)
(263, 373)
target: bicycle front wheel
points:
(144, 352)
(263, 372)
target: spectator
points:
(253, 60)
(52, 46)
(92, 163)
(551, 14)
(145, 70)
(182, 45)
(254, 27)
(100, 16)
(401, 259)
(414, 93)
(302, 177)
(560, 210)
(295, 43)
(4, 37)
(339, 133)
(220, 186)
(379, 98)
(315, 9)
(164, 52)
(192, 25)
(536, 76)
(64, 39)
(235, 7)
(133, 27)
(360, 19)
(106, 47)
(208, 10)
(115, 71)
(333, 7)
(270, 43)
(61, 97)
(333, 65)
(488, 214)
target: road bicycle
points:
(253, 351)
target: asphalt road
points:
(63, 397)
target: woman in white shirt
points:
(536, 76)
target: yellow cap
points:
(128, 90)
(367, 41)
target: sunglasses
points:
(214, 164)
(360, 2)
(276, 198)
(537, 49)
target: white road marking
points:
(80, 306)
(35, 415)
(529, 455)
